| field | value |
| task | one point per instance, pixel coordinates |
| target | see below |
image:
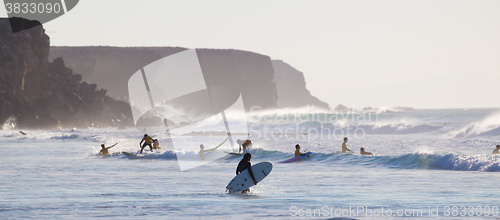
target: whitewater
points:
(437, 161)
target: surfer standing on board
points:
(297, 151)
(243, 165)
(244, 144)
(104, 150)
(497, 150)
(147, 142)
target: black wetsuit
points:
(242, 166)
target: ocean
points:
(422, 168)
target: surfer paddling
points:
(497, 150)
(297, 151)
(22, 133)
(243, 165)
(147, 142)
(104, 151)
(363, 152)
(244, 144)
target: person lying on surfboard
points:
(297, 151)
(244, 144)
(497, 150)
(147, 142)
(202, 150)
(363, 152)
(104, 150)
(243, 165)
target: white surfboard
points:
(243, 180)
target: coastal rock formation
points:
(342, 109)
(291, 86)
(48, 95)
(262, 82)
(111, 67)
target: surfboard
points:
(109, 155)
(208, 153)
(131, 155)
(297, 158)
(232, 153)
(340, 152)
(243, 180)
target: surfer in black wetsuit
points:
(243, 165)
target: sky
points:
(421, 54)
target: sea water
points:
(422, 168)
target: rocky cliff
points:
(262, 82)
(111, 67)
(48, 95)
(291, 87)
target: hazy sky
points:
(423, 54)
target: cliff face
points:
(43, 94)
(111, 67)
(291, 87)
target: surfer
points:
(156, 144)
(344, 146)
(147, 142)
(244, 144)
(22, 133)
(297, 151)
(363, 152)
(202, 150)
(104, 150)
(497, 150)
(243, 165)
